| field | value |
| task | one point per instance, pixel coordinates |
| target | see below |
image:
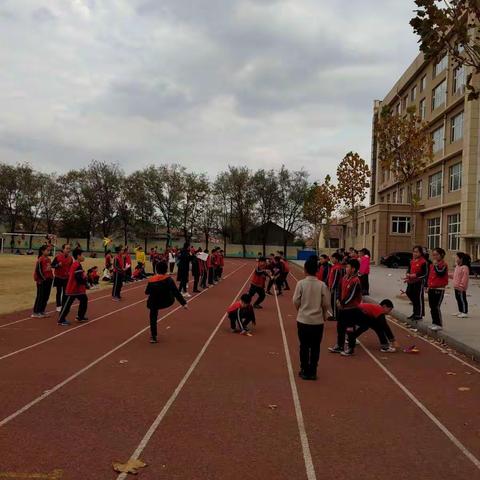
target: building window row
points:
(435, 185)
(401, 225)
(434, 232)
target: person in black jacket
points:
(162, 292)
(184, 259)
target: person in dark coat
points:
(162, 293)
(196, 270)
(184, 259)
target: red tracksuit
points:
(437, 281)
(76, 289)
(43, 276)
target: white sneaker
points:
(435, 328)
(455, 314)
(462, 315)
(187, 295)
(58, 309)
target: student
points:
(461, 277)
(204, 277)
(76, 289)
(128, 265)
(312, 301)
(171, 260)
(184, 259)
(364, 271)
(349, 313)
(323, 268)
(108, 261)
(162, 293)
(61, 265)
(139, 273)
(257, 283)
(195, 271)
(286, 270)
(221, 264)
(241, 314)
(335, 275)
(118, 274)
(437, 282)
(140, 256)
(43, 276)
(374, 318)
(276, 267)
(416, 274)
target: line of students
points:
(432, 274)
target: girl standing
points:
(461, 276)
(437, 282)
(364, 271)
(416, 274)
(43, 276)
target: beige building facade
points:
(448, 210)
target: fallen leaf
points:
(451, 373)
(168, 328)
(464, 389)
(468, 373)
(273, 353)
(132, 466)
(123, 361)
(273, 407)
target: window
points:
(362, 227)
(423, 109)
(455, 182)
(413, 94)
(394, 197)
(405, 103)
(388, 198)
(453, 222)
(419, 190)
(439, 95)
(401, 225)
(401, 195)
(423, 83)
(374, 226)
(459, 80)
(435, 185)
(398, 109)
(440, 66)
(367, 228)
(438, 135)
(456, 127)
(433, 233)
(382, 199)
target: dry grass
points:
(17, 288)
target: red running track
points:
(208, 404)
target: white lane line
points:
(307, 456)
(413, 334)
(425, 410)
(151, 431)
(95, 362)
(74, 306)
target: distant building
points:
(271, 232)
(448, 213)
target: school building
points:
(448, 211)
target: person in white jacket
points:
(312, 300)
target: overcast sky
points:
(204, 83)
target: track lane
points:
(111, 405)
(368, 418)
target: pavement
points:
(463, 334)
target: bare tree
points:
(52, 197)
(195, 190)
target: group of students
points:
(431, 273)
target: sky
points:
(202, 83)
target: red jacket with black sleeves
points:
(43, 269)
(418, 268)
(259, 277)
(351, 292)
(77, 280)
(335, 276)
(61, 264)
(438, 276)
(119, 264)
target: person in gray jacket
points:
(312, 300)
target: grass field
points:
(17, 288)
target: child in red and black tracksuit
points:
(374, 318)
(221, 264)
(276, 267)
(241, 314)
(118, 274)
(162, 292)
(323, 269)
(257, 283)
(437, 282)
(61, 265)
(76, 289)
(349, 313)
(128, 265)
(43, 276)
(334, 281)
(286, 270)
(416, 276)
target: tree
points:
(12, 192)
(266, 191)
(242, 197)
(293, 189)
(223, 212)
(105, 180)
(31, 206)
(52, 197)
(320, 203)
(207, 217)
(450, 26)
(353, 176)
(195, 190)
(165, 183)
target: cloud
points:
(204, 84)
